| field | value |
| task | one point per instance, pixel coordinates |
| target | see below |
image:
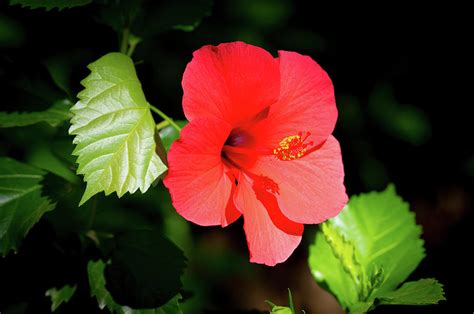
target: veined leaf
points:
(367, 251)
(95, 272)
(21, 203)
(114, 130)
(58, 296)
(385, 234)
(50, 4)
(56, 114)
(421, 292)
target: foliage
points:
(366, 252)
(97, 283)
(290, 309)
(114, 255)
(55, 115)
(61, 295)
(21, 203)
(114, 130)
(50, 4)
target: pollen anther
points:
(292, 147)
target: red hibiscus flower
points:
(258, 144)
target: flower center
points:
(239, 149)
(293, 147)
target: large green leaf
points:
(145, 269)
(368, 250)
(55, 115)
(59, 296)
(50, 4)
(104, 299)
(114, 130)
(21, 203)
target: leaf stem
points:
(124, 44)
(162, 124)
(165, 117)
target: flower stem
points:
(165, 117)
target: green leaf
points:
(55, 115)
(21, 203)
(168, 134)
(330, 273)
(385, 233)
(59, 296)
(50, 4)
(114, 130)
(368, 250)
(43, 157)
(145, 269)
(97, 283)
(421, 292)
(95, 272)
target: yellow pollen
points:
(292, 147)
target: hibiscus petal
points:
(271, 237)
(306, 104)
(311, 189)
(232, 81)
(197, 179)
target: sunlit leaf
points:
(50, 4)
(58, 296)
(21, 203)
(421, 292)
(55, 115)
(368, 250)
(114, 130)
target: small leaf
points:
(50, 4)
(114, 130)
(55, 115)
(95, 271)
(168, 134)
(21, 203)
(145, 269)
(97, 283)
(59, 296)
(421, 292)
(283, 309)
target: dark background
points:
(399, 74)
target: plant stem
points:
(162, 124)
(165, 117)
(124, 44)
